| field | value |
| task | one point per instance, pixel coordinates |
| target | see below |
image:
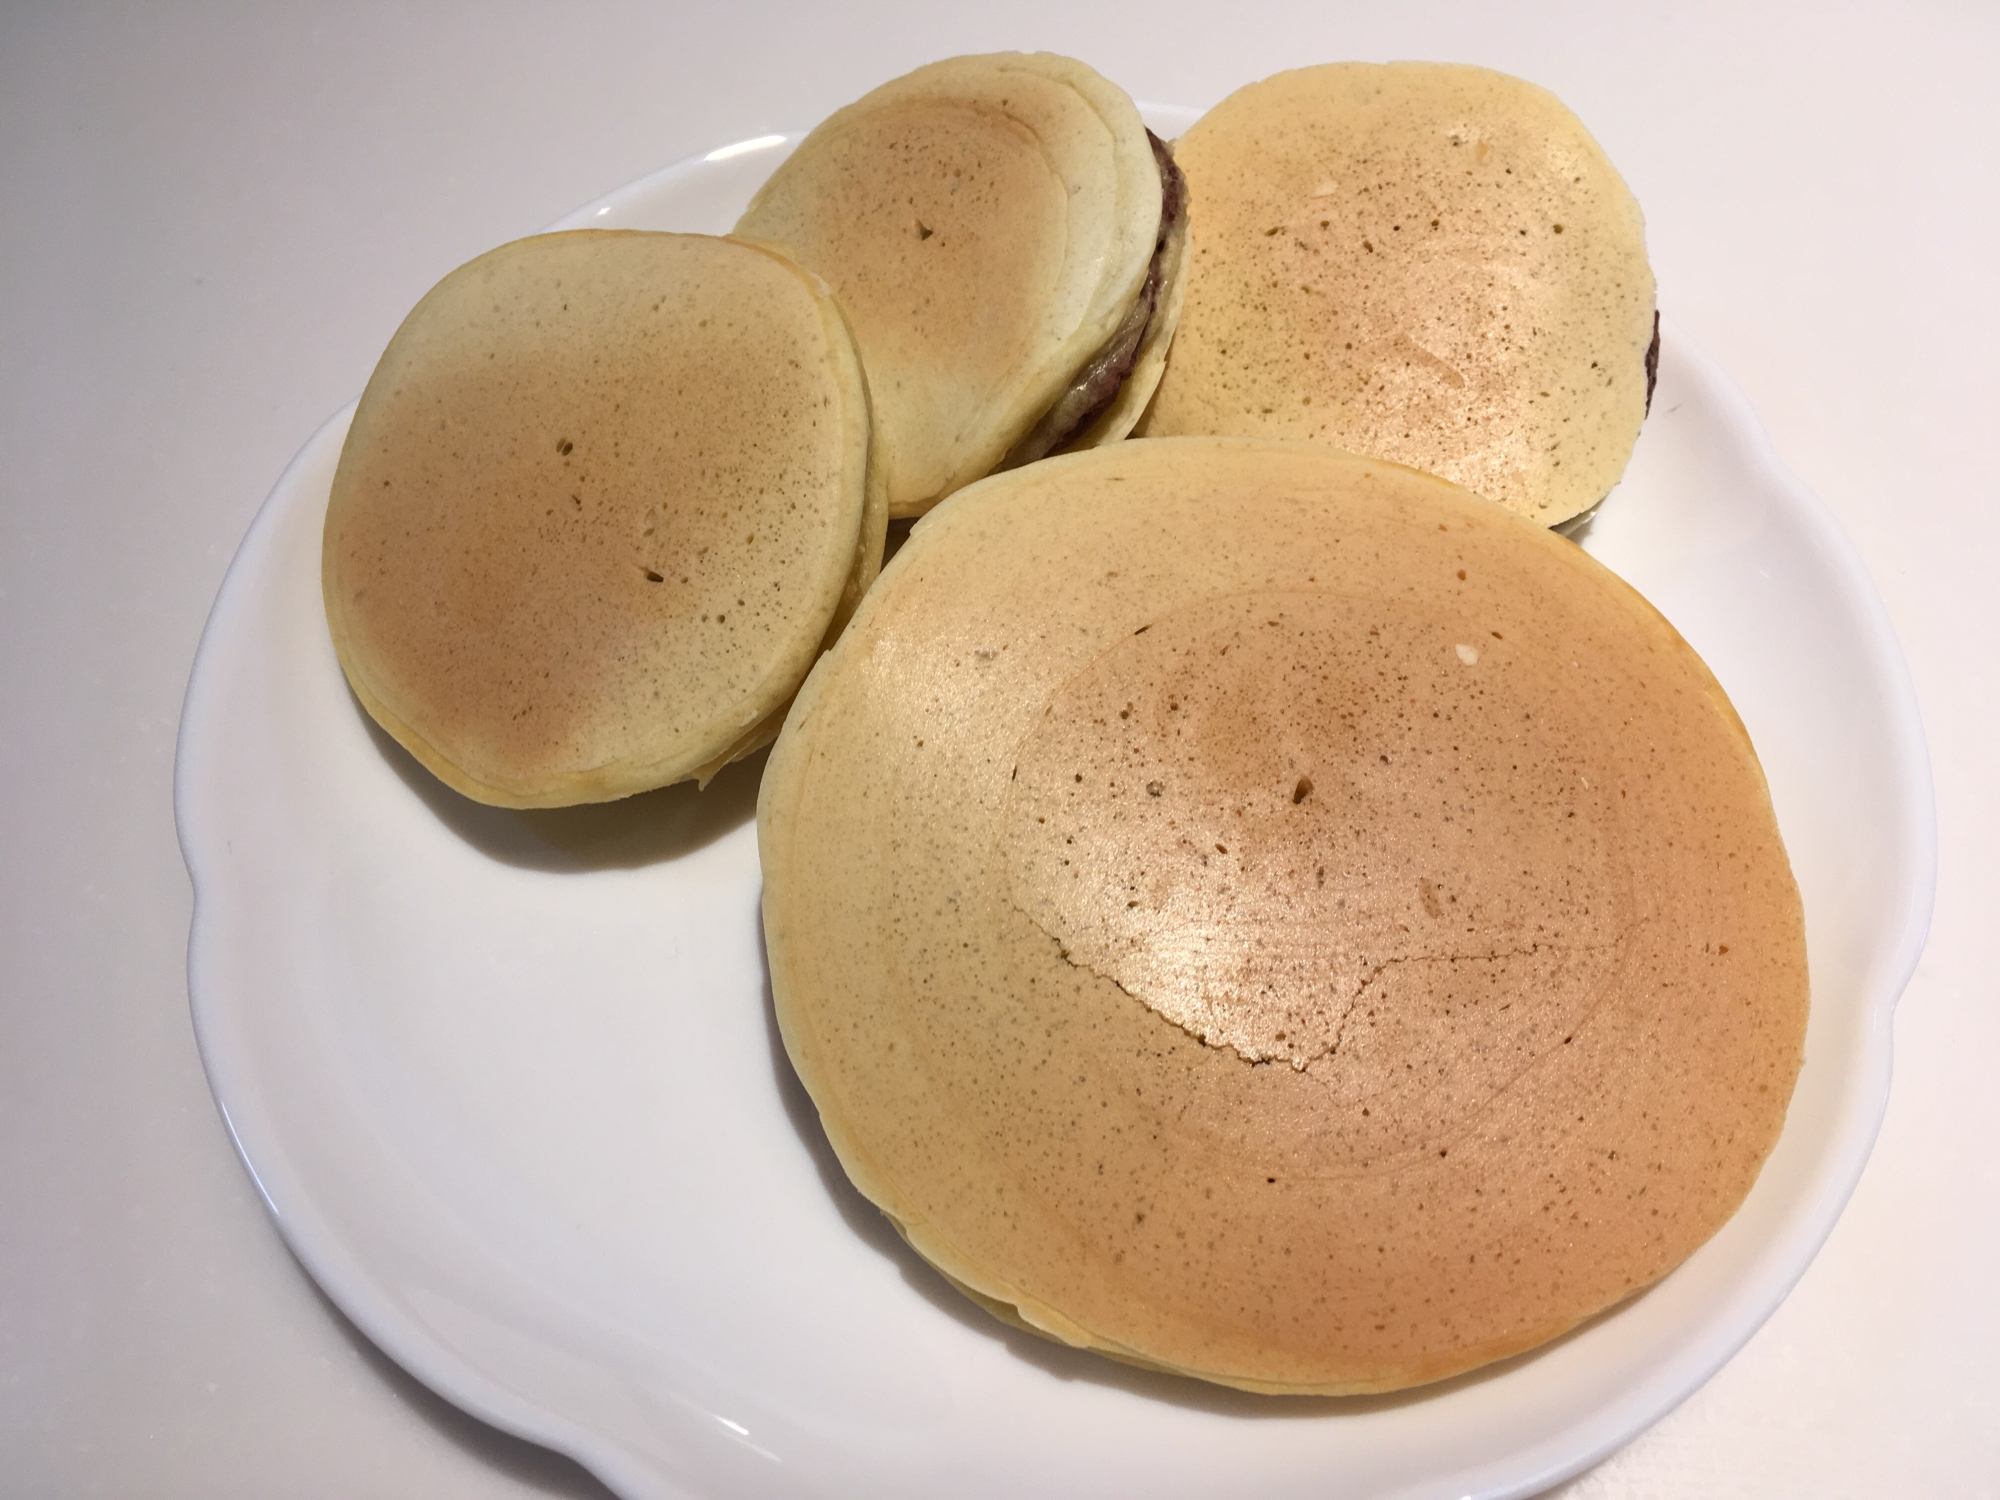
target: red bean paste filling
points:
(1097, 384)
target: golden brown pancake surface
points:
(603, 499)
(1429, 263)
(985, 222)
(1274, 916)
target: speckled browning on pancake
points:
(985, 223)
(598, 508)
(1274, 916)
(1428, 263)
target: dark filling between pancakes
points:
(1096, 385)
(1653, 362)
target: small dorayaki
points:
(1275, 916)
(605, 498)
(1006, 239)
(1424, 262)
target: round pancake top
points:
(1428, 263)
(1275, 916)
(596, 511)
(985, 222)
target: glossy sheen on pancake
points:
(602, 502)
(1275, 916)
(1427, 263)
(985, 222)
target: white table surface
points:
(212, 218)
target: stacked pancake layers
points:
(1426, 263)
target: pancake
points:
(1426, 263)
(993, 227)
(1277, 917)
(605, 498)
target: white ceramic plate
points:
(511, 1085)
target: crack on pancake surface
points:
(1259, 815)
(1395, 1099)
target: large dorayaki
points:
(603, 501)
(1275, 916)
(1424, 262)
(1006, 239)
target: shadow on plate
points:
(1577, 527)
(898, 533)
(644, 830)
(873, 1227)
